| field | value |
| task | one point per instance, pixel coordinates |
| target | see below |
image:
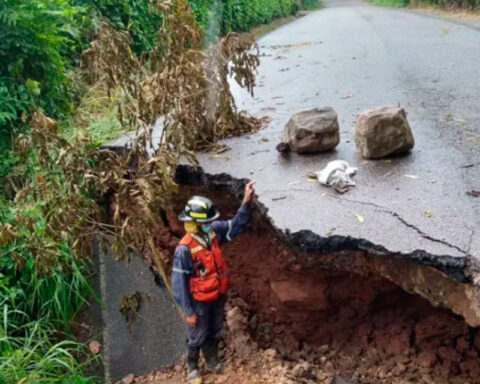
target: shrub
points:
(139, 17)
(240, 15)
(38, 301)
(35, 37)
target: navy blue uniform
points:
(209, 314)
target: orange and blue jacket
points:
(199, 271)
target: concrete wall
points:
(157, 337)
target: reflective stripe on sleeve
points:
(180, 270)
(229, 238)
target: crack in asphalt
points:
(311, 241)
(395, 215)
(409, 225)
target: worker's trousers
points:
(209, 324)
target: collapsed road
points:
(302, 317)
(419, 229)
(352, 57)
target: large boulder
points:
(383, 131)
(313, 130)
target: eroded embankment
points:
(387, 317)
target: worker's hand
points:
(191, 320)
(249, 192)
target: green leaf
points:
(33, 87)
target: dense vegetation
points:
(49, 178)
(464, 4)
(41, 42)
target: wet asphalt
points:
(354, 56)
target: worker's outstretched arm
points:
(229, 229)
(181, 271)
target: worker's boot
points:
(210, 352)
(193, 373)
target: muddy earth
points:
(297, 317)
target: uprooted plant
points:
(179, 81)
(184, 85)
(62, 193)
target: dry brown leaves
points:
(180, 81)
(70, 192)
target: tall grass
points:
(30, 354)
(32, 349)
(97, 114)
(37, 311)
(53, 296)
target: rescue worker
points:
(200, 277)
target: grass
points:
(312, 5)
(97, 114)
(30, 354)
(390, 3)
(452, 11)
(263, 29)
(33, 350)
(37, 311)
(447, 11)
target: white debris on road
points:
(337, 174)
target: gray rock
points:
(313, 130)
(383, 131)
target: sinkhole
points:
(374, 318)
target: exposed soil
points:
(298, 317)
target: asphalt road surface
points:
(354, 56)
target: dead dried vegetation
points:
(179, 81)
